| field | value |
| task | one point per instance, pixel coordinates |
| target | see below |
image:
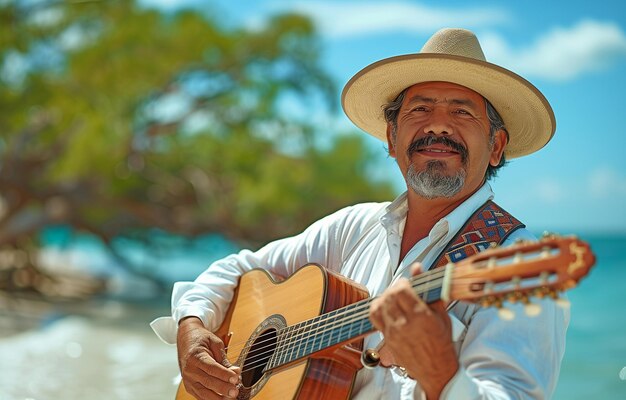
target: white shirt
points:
(498, 359)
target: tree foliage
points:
(117, 119)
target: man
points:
(449, 119)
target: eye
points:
(420, 108)
(462, 111)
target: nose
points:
(439, 123)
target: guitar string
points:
(305, 337)
(415, 281)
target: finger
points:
(400, 285)
(398, 313)
(203, 393)
(389, 306)
(416, 268)
(218, 354)
(412, 305)
(215, 376)
(204, 371)
(392, 316)
(404, 295)
(375, 314)
(405, 301)
(217, 348)
(208, 384)
(385, 311)
(236, 369)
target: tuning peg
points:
(530, 309)
(539, 293)
(506, 314)
(549, 235)
(561, 302)
(512, 298)
(487, 301)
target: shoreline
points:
(97, 357)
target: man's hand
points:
(418, 336)
(200, 357)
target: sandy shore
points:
(112, 356)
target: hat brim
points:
(526, 113)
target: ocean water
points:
(595, 357)
(104, 349)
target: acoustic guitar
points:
(301, 338)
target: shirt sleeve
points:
(518, 359)
(210, 294)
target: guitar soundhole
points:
(257, 358)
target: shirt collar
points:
(395, 216)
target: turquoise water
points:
(596, 339)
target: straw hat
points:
(452, 55)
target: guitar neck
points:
(342, 325)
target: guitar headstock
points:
(527, 269)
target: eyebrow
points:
(418, 98)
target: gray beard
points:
(432, 183)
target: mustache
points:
(426, 141)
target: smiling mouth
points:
(437, 148)
(437, 151)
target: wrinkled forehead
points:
(444, 91)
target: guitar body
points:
(262, 304)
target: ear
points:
(499, 143)
(390, 141)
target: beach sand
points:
(113, 355)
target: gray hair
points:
(392, 109)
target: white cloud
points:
(562, 53)
(550, 191)
(606, 183)
(354, 18)
(601, 183)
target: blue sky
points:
(574, 52)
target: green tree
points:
(116, 120)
